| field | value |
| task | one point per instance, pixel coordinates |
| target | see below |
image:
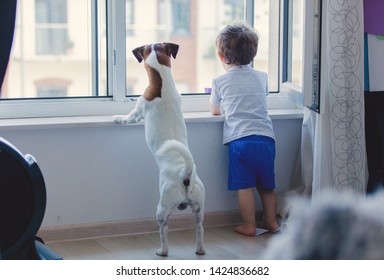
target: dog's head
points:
(163, 52)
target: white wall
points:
(106, 173)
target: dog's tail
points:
(188, 168)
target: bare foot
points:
(273, 227)
(275, 230)
(246, 230)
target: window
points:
(234, 9)
(180, 17)
(265, 18)
(69, 44)
(130, 17)
(52, 91)
(52, 88)
(292, 54)
(88, 44)
(51, 27)
(295, 42)
(194, 25)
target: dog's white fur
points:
(332, 226)
(166, 137)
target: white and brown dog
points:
(166, 136)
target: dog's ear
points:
(172, 49)
(139, 53)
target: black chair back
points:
(22, 203)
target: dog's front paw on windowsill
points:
(123, 119)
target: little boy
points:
(240, 95)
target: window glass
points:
(51, 27)
(65, 41)
(52, 91)
(295, 42)
(129, 17)
(266, 23)
(57, 40)
(180, 17)
(194, 25)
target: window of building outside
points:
(51, 27)
(67, 40)
(52, 88)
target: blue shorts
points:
(251, 163)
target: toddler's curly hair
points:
(238, 44)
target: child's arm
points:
(215, 109)
(214, 100)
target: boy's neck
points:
(227, 67)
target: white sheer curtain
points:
(333, 142)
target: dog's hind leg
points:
(199, 214)
(162, 216)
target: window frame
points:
(292, 91)
(303, 96)
(117, 102)
(312, 54)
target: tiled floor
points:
(221, 243)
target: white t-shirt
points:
(241, 93)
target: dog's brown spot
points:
(155, 83)
(141, 53)
(164, 51)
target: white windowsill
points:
(97, 121)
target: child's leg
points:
(246, 200)
(269, 200)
